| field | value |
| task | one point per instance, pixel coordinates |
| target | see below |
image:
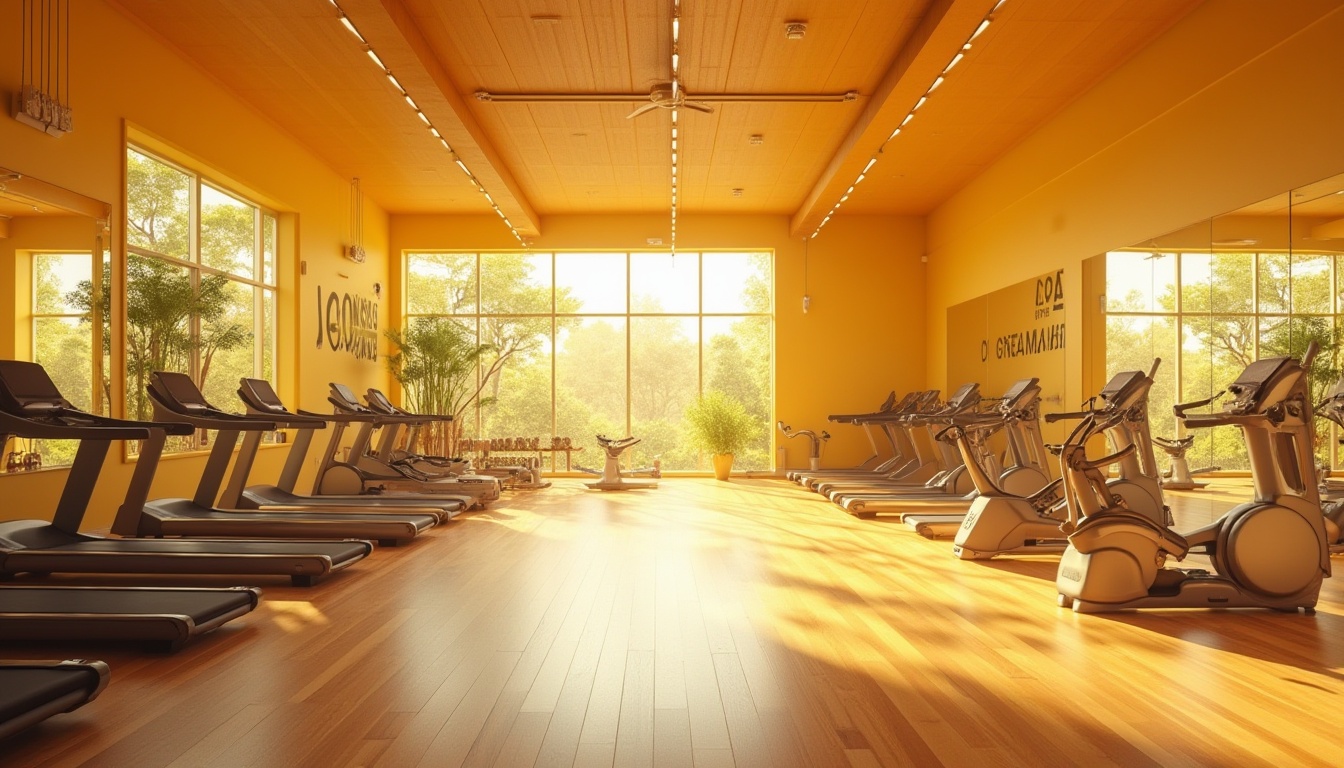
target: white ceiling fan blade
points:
(641, 110)
(698, 106)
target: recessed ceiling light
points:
(756, 139)
(738, 192)
(794, 30)
(543, 19)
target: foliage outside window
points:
(200, 285)
(580, 344)
(1208, 315)
(62, 342)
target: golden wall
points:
(1233, 104)
(126, 80)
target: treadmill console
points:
(344, 397)
(26, 390)
(379, 401)
(259, 394)
(179, 391)
(964, 394)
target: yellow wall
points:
(862, 337)
(123, 75)
(1237, 102)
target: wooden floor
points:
(710, 624)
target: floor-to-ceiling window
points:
(1207, 314)
(608, 343)
(200, 284)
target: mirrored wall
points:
(56, 283)
(1261, 281)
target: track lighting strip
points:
(433, 131)
(938, 81)
(676, 85)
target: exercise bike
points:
(814, 458)
(1270, 552)
(611, 478)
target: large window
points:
(200, 284)
(608, 343)
(1208, 315)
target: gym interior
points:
(371, 366)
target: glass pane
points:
(1140, 281)
(437, 370)
(228, 341)
(228, 233)
(518, 394)
(268, 249)
(590, 378)
(56, 283)
(1273, 284)
(1219, 282)
(516, 283)
(1311, 284)
(106, 303)
(736, 282)
(63, 346)
(737, 354)
(663, 283)
(158, 206)
(664, 380)
(595, 282)
(1214, 351)
(1292, 336)
(440, 283)
(159, 304)
(1132, 343)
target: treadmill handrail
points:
(102, 428)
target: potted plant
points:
(435, 361)
(721, 425)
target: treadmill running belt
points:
(22, 690)
(201, 606)
(339, 551)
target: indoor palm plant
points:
(435, 361)
(721, 425)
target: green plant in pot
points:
(721, 425)
(435, 361)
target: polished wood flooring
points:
(710, 624)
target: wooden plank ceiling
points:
(295, 62)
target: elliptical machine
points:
(1001, 522)
(1180, 477)
(1268, 553)
(814, 458)
(611, 478)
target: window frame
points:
(193, 264)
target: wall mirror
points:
(55, 280)
(1261, 281)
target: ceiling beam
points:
(944, 28)
(393, 31)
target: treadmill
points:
(365, 473)
(904, 456)
(935, 471)
(163, 618)
(31, 404)
(861, 467)
(386, 450)
(176, 397)
(32, 691)
(263, 403)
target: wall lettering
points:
(347, 324)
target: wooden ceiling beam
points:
(944, 28)
(411, 59)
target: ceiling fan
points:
(670, 96)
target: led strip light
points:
(676, 89)
(475, 182)
(961, 53)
